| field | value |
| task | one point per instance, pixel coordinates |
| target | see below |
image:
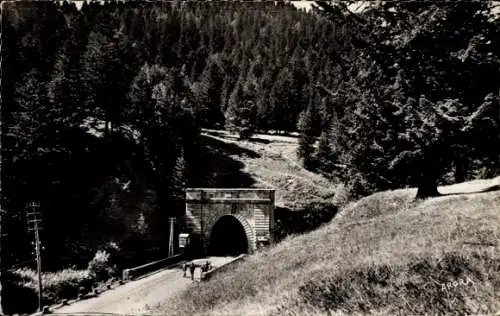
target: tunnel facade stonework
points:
(253, 208)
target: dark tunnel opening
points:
(228, 238)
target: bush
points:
(358, 186)
(65, 284)
(99, 267)
(21, 288)
(245, 133)
(342, 196)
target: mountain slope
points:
(275, 165)
(385, 254)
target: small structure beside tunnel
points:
(228, 221)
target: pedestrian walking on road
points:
(207, 266)
(184, 268)
(192, 267)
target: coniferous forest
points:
(102, 105)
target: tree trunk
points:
(460, 169)
(427, 189)
(106, 128)
(430, 171)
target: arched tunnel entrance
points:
(228, 237)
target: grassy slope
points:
(277, 166)
(385, 254)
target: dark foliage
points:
(102, 107)
(418, 88)
(12, 290)
(299, 221)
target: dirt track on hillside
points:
(135, 297)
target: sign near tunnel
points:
(183, 240)
(251, 221)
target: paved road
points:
(134, 297)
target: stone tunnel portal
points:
(228, 237)
(228, 221)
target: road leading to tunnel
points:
(135, 296)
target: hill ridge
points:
(385, 254)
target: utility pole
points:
(2, 220)
(34, 222)
(171, 237)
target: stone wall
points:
(254, 208)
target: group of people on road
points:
(192, 267)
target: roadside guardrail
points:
(132, 273)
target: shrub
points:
(65, 284)
(245, 133)
(342, 196)
(358, 186)
(21, 288)
(99, 267)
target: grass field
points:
(276, 165)
(386, 254)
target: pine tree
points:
(391, 137)
(280, 102)
(92, 74)
(328, 154)
(306, 129)
(241, 112)
(211, 85)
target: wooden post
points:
(171, 238)
(36, 228)
(202, 237)
(2, 214)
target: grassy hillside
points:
(385, 254)
(271, 161)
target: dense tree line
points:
(102, 106)
(417, 94)
(389, 97)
